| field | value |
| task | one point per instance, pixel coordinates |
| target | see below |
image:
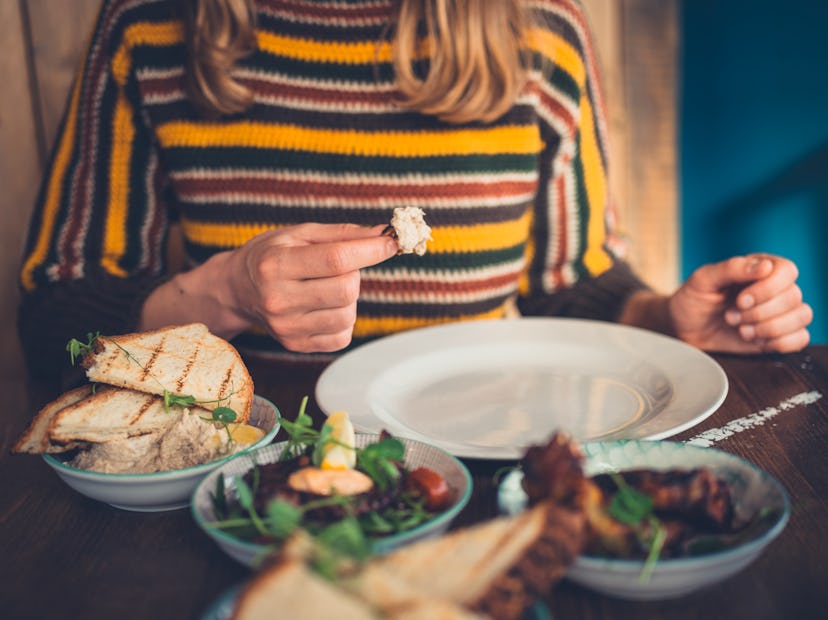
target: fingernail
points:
(746, 301)
(392, 246)
(732, 317)
(748, 332)
(753, 265)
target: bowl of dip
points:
(158, 490)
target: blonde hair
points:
(218, 33)
(475, 48)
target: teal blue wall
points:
(754, 136)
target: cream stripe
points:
(313, 201)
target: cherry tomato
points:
(431, 487)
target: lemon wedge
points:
(341, 452)
(245, 433)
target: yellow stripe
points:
(116, 216)
(596, 258)
(485, 141)
(53, 192)
(479, 238)
(143, 33)
(366, 52)
(561, 53)
(367, 327)
(223, 235)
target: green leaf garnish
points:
(628, 505)
(632, 507)
(78, 349)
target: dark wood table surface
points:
(65, 556)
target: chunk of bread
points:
(111, 414)
(495, 569)
(184, 360)
(35, 439)
(290, 590)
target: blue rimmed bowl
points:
(753, 490)
(417, 454)
(165, 490)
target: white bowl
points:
(417, 454)
(166, 490)
(752, 489)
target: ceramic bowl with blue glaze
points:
(754, 492)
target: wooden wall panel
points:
(40, 47)
(59, 40)
(637, 45)
(19, 167)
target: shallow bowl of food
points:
(164, 490)
(251, 553)
(759, 501)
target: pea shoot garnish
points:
(77, 349)
(632, 507)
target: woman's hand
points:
(746, 304)
(300, 283)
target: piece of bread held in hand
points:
(184, 360)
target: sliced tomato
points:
(431, 487)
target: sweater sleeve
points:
(97, 236)
(576, 264)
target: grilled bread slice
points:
(184, 360)
(289, 589)
(497, 568)
(111, 414)
(35, 439)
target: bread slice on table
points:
(289, 589)
(184, 360)
(35, 439)
(495, 569)
(111, 414)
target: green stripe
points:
(224, 158)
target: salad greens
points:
(347, 536)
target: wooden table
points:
(63, 555)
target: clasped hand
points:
(746, 304)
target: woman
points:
(282, 133)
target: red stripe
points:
(328, 11)
(437, 288)
(264, 186)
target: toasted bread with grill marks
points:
(184, 360)
(35, 439)
(111, 414)
(494, 569)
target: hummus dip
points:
(187, 442)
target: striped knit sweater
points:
(519, 208)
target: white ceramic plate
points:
(487, 389)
